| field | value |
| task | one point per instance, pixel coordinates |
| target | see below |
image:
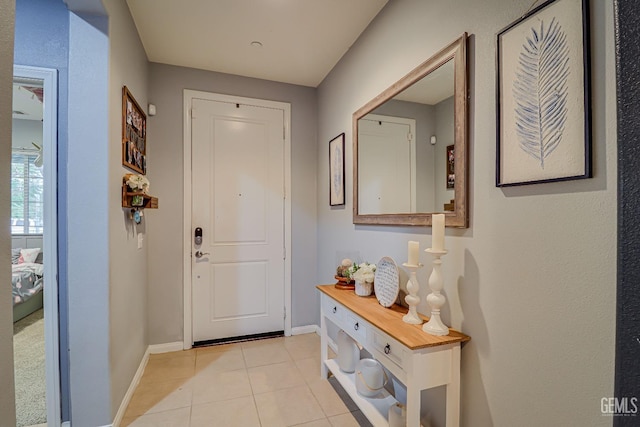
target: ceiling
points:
(301, 40)
(27, 100)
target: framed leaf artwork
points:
(543, 96)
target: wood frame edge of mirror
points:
(459, 217)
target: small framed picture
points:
(543, 96)
(336, 171)
(451, 175)
(137, 200)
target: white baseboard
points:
(66, 424)
(132, 387)
(299, 330)
(166, 347)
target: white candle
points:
(414, 247)
(437, 232)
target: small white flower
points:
(138, 183)
(365, 273)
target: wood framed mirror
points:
(410, 146)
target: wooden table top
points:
(389, 320)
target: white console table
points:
(419, 360)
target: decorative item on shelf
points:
(343, 275)
(135, 190)
(370, 377)
(348, 352)
(137, 183)
(137, 200)
(364, 277)
(387, 282)
(435, 299)
(136, 215)
(412, 299)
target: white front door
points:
(386, 165)
(238, 202)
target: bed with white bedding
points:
(27, 283)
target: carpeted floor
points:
(28, 352)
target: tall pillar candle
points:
(437, 232)
(414, 247)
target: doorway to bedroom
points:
(33, 242)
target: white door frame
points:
(49, 78)
(189, 95)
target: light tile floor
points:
(267, 383)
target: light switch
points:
(140, 239)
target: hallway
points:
(273, 382)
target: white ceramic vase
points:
(348, 352)
(363, 289)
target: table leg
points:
(324, 342)
(413, 404)
(453, 390)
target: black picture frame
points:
(543, 96)
(336, 171)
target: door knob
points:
(201, 254)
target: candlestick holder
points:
(435, 299)
(412, 299)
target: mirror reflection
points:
(402, 149)
(409, 146)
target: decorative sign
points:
(387, 282)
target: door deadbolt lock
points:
(197, 238)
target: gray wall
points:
(88, 231)
(42, 40)
(166, 85)
(128, 66)
(532, 281)
(7, 400)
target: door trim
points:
(189, 96)
(49, 79)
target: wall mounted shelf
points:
(148, 202)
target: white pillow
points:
(28, 255)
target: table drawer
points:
(387, 347)
(355, 326)
(333, 310)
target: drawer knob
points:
(387, 349)
(335, 309)
(356, 326)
